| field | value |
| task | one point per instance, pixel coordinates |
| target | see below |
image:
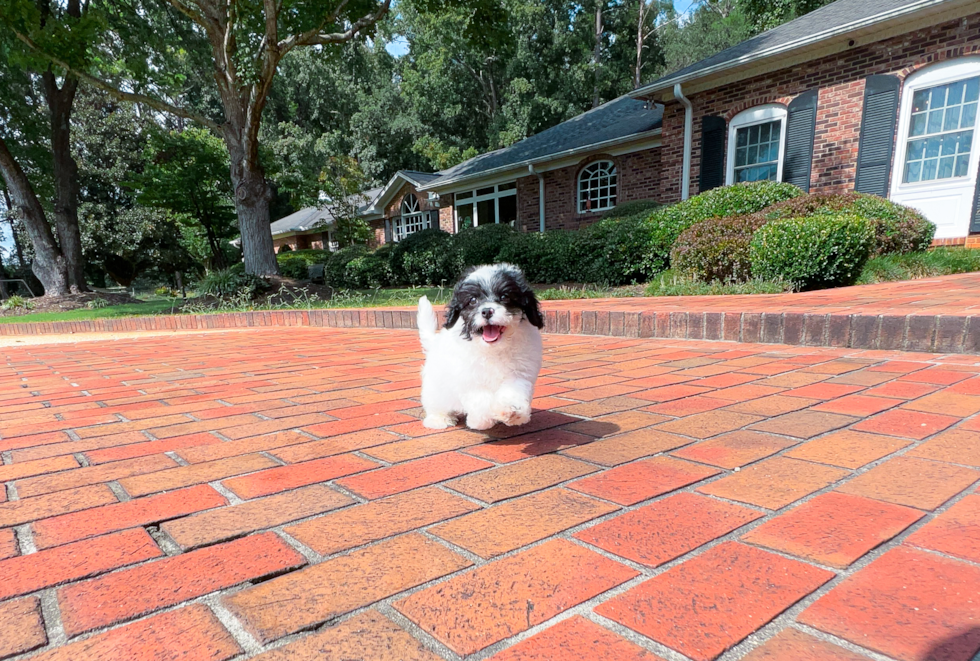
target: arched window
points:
(412, 218)
(597, 187)
(755, 144)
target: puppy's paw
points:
(438, 422)
(480, 423)
(514, 415)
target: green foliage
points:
(481, 245)
(16, 302)
(667, 224)
(634, 208)
(544, 257)
(232, 282)
(335, 270)
(814, 251)
(425, 257)
(717, 249)
(928, 264)
(372, 270)
(614, 251)
(98, 303)
(296, 263)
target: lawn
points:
(160, 306)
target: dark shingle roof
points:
(618, 118)
(311, 217)
(836, 17)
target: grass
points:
(162, 306)
(936, 262)
(670, 283)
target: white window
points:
(486, 206)
(941, 131)
(756, 139)
(597, 187)
(411, 220)
(936, 155)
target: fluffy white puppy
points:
(484, 364)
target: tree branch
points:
(308, 39)
(117, 93)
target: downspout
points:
(530, 168)
(688, 140)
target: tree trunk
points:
(252, 195)
(49, 264)
(639, 43)
(65, 172)
(597, 56)
(217, 257)
(18, 249)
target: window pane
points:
(485, 191)
(918, 126)
(929, 169)
(742, 138)
(962, 163)
(935, 123)
(968, 118)
(920, 101)
(597, 187)
(485, 213)
(972, 90)
(464, 215)
(510, 186)
(913, 171)
(464, 196)
(952, 121)
(758, 157)
(508, 209)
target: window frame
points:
(936, 75)
(408, 214)
(611, 171)
(463, 198)
(763, 114)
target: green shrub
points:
(634, 208)
(296, 263)
(481, 245)
(898, 229)
(551, 256)
(97, 303)
(667, 224)
(613, 251)
(425, 257)
(16, 302)
(372, 270)
(230, 282)
(335, 269)
(816, 251)
(672, 283)
(716, 249)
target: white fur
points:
(485, 383)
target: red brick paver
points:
(250, 494)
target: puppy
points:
(484, 364)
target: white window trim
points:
(758, 115)
(398, 224)
(473, 198)
(612, 169)
(938, 74)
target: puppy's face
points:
(492, 300)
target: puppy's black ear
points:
(530, 305)
(455, 306)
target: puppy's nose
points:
(487, 312)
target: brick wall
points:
(840, 79)
(639, 178)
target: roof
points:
(835, 19)
(619, 118)
(312, 217)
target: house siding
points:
(840, 81)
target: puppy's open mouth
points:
(492, 333)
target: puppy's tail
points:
(427, 321)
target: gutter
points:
(665, 83)
(543, 159)
(530, 168)
(688, 140)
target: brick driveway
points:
(270, 494)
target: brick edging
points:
(930, 333)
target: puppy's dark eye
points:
(471, 302)
(504, 299)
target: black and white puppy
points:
(484, 364)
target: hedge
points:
(718, 248)
(812, 252)
(296, 263)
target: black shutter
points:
(434, 219)
(801, 123)
(877, 134)
(975, 220)
(712, 153)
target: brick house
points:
(877, 96)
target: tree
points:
(187, 173)
(343, 185)
(66, 30)
(243, 45)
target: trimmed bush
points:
(481, 245)
(549, 257)
(232, 281)
(372, 270)
(717, 249)
(425, 258)
(613, 251)
(296, 263)
(335, 270)
(667, 224)
(634, 208)
(812, 252)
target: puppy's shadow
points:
(961, 647)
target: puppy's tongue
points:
(491, 333)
